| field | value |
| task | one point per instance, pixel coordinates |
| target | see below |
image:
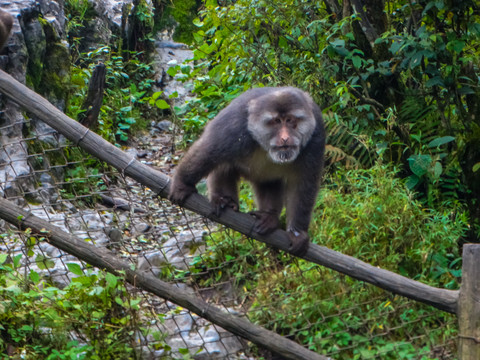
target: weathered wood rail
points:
(447, 300)
(104, 259)
(158, 182)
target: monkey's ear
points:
(251, 106)
(309, 100)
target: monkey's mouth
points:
(283, 154)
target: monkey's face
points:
(281, 130)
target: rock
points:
(48, 191)
(114, 234)
(163, 126)
(111, 10)
(167, 54)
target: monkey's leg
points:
(222, 188)
(269, 196)
(301, 196)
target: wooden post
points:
(469, 305)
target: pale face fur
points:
(282, 123)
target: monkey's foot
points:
(267, 221)
(220, 203)
(299, 242)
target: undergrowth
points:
(370, 215)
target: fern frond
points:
(346, 143)
(334, 154)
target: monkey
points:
(6, 22)
(273, 137)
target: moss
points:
(56, 76)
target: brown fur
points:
(273, 137)
(6, 22)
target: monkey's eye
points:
(291, 121)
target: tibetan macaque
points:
(6, 22)
(272, 137)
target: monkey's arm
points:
(224, 140)
(301, 195)
(195, 165)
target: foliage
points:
(404, 90)
(373, 208)
(177, 14)
(93, 317)
(127, 83)
(370, 215)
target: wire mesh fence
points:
(71, 301)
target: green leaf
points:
(416, 59)
(338, 43)
(16, 260)
(419, 164)
(156, 95)
(412, 181)
(34, 277)
(3, 258)
(119, 301)
(476, 167)
(437, 80)
(111, 280)
(75, 268)
(437, 170)
(440, 141)
(466, 90)
(162, 104)
(126, 109)
(44, 263)
(395, 47)
(456, 46)
(357, 61)
(197, 22)
(27, 328)
(172, 71)
(186, 69)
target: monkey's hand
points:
(266, 221)
(179, 191)
(299, 242)
(220, 203)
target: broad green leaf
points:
(75, 268)
(412, 181)
(34, 277)
(357, 61)
(437, 80)
(395, 47)
(172, 71)
(440, 141)
(419, 164)
(162, 104)
(156, 95)
(44, 263)
(111, 280)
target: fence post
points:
(469, 305)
